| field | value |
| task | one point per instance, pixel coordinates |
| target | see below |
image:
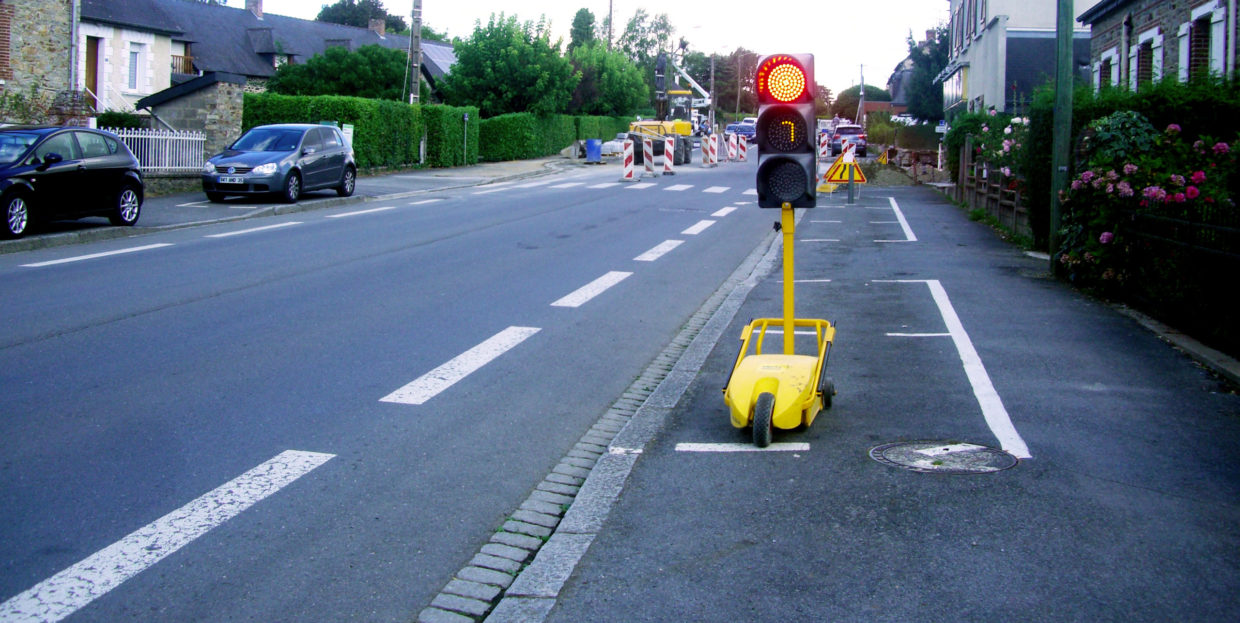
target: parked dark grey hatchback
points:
(286, 159)
(49, 173)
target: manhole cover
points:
(937, 457)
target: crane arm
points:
(693, 82)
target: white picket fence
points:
(165, 151)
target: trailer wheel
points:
(763, 411)
(826, 387)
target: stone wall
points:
(37, 52)
(215, 110)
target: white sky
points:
(843, 36)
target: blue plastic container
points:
(594, 150)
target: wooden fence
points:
(986, 188)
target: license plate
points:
(231, 180)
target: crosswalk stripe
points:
(679, 187)
(717, 189)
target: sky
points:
(847, 39)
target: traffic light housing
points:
(787, 131)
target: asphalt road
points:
(194, 420)
(1123, 506)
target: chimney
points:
(255, 7)
(378, 26)
(929, 36)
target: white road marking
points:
(492, 190)
(604, 185)
(370, 211)
(592, 289)
(640, 185)
(432, 383)
(533, 184)
(194, 204)
(722, 212)
(92, 256)
(425, 201)
(751, 191)
(697, 228)
(255, 229)
(679, 187)
(919, 335)
(812, 221)
(883, 222)
(808, 281)
(658, 251)
(569, 184)
(908, 232)
(821, 240)
(719, 189)
(64, 593)
(992, 405)
(741, 447)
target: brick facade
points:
(1147, 40)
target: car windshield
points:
(14, 144)
(268, 139)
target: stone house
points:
(1135, 42)
(1001, 50)
(36, 56)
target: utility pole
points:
(610, 21)
(1062, 130)
(713, 97)
(415, 52)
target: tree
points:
(372, 71)
(642, 40)
(846, 102)
(508, 67)
(582, 32)
(734, 81)
(924, 95)
(610, 83)
(822, 102)
(359, 13)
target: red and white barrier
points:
(824, 146)
(648, 155)
(714, 150)
(669, 155)
(705, 151)
(731, 147)
(742, 156)
(627, 176)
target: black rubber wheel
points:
(126, 207)
(16, 215)
(826, 387)
(292, 188)
(215, 197)
(347, 183)
(763, 411)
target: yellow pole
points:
(789, 226)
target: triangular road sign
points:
(839, 175)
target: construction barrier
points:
(824, 146)
(648, 153)
(669, 155)
(714, 150)
(628, 176)
(705, 151)
(731, 148)
(742, 156)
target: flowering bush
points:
(999, 144)
(1161, 174)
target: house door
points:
(92, 71)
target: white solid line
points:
(719, 189)
(697, 228)
(604, 185)
(533, 184)
(583, 294)
(908, 232)
(569, 184)
(809, 281)
(640, 185)
(820, 240)
(425, 201)
(741, 447)
(492, 190)
(194, 204)
(883, 222)
(895, 241)
(432, 383)
(722, 212)
(658, 251)
(751, 191)
(812, 221)
(256, 229)
(679, 187)
(370, 211)
(992, 406)
(64, 593)
(96, 255)
(919, 335)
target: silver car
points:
(285, 159)
(855, 135)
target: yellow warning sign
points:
(838, 173)
(882, 158)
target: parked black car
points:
(287, 159)
(49, 173)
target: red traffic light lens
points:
(782, 78)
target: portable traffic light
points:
(786, 132)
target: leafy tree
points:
(582, 32)
(734, 81)
(642, 40)
(509, 67)
(429, 34)
(924, 95)
(359, 13)
(847, 101)
(372, 71)
(822, 102)
(610, 83)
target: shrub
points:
(385, 133)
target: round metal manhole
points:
(937, 457)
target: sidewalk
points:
(192, 208)
(1126, 509)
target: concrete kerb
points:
(49, 241)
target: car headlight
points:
(208, 168)
(266, 169)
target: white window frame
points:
(1155, 37)
(1218, 33)
(1113, 56)
(143, 72)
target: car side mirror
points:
(50, 159)
(308, 151)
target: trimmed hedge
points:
(445, 138)
(517, 136)
(386, 133)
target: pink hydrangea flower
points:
(1129, 169)
(1106, 237)
(1221, 148)
(1124, 188)
(1076, 184)
(1192, 192)
(1173, 129)
(1179, 197)
(1154, 192)
(1198, 177)
(1177, 180)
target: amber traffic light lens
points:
(786, 82)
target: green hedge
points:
(385, 133)
(517, 136)
(445, 138)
